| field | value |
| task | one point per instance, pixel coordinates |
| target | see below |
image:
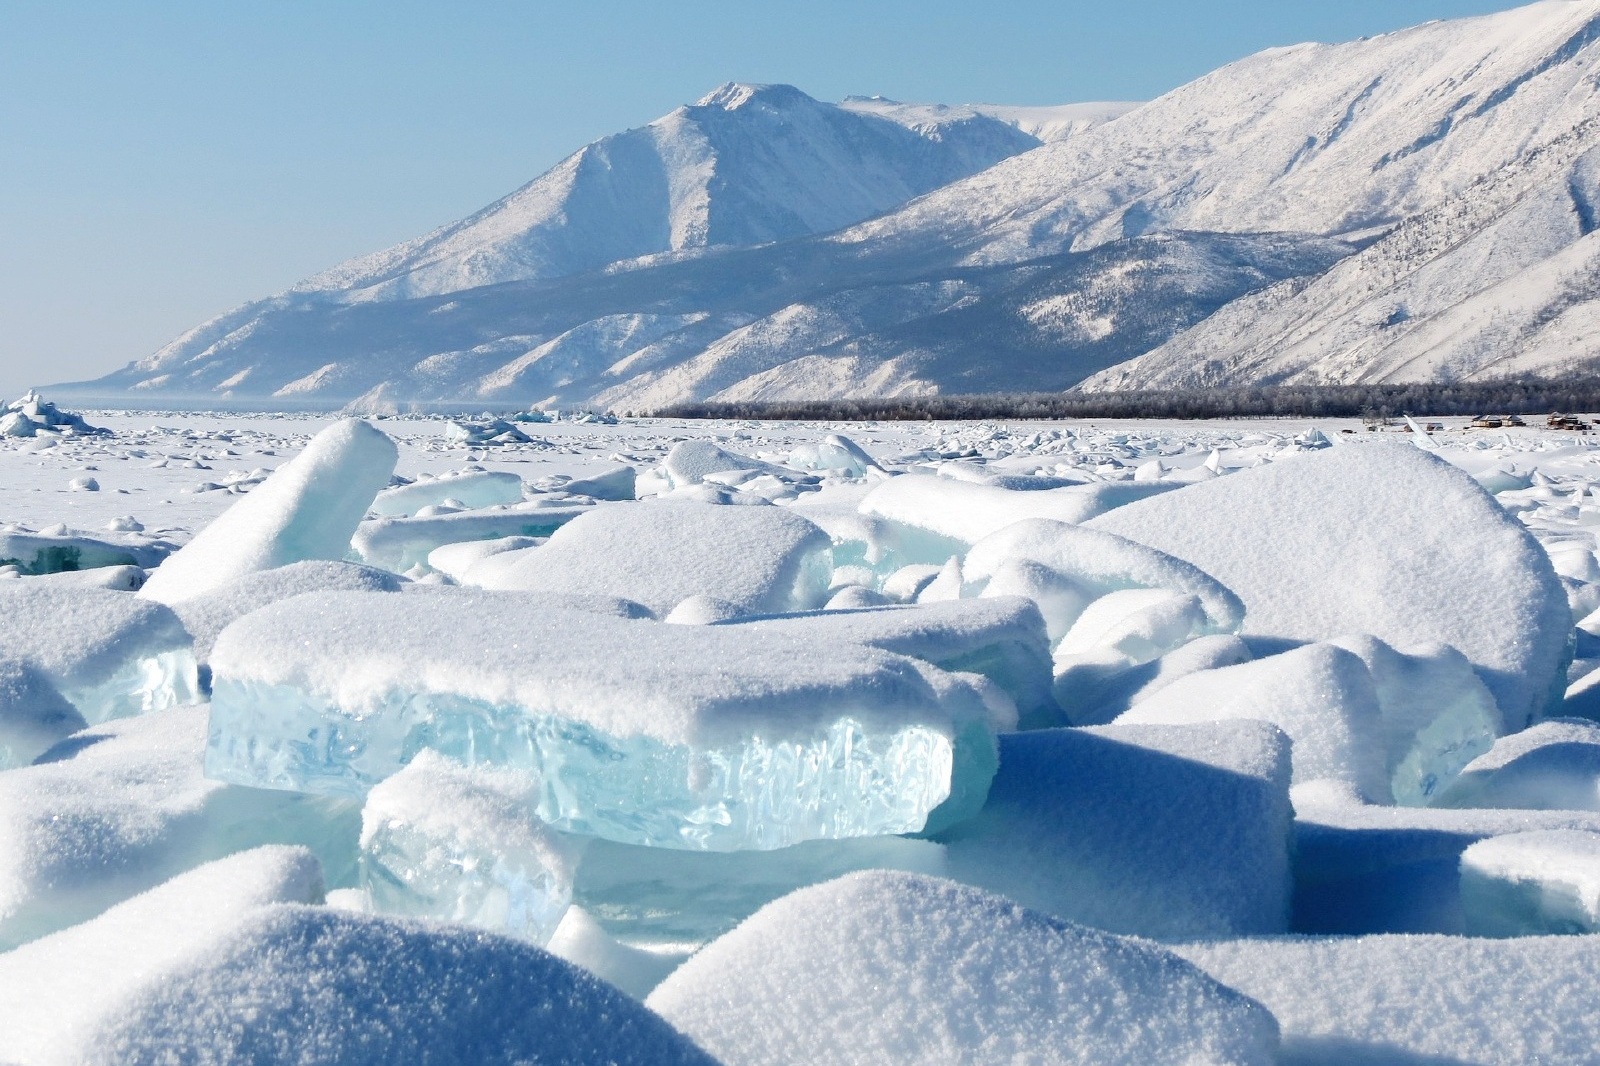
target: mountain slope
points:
(746, 164)
(1416, 204)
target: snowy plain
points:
(1244, 742)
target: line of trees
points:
(1377, 401)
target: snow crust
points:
(818, 976)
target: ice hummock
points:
(628, 733)
(442, 840)
(1382, 539)
(307, 509)
(1527, 884)
(1552, 765)
(398, 544)
(899, 968)
(110, 654)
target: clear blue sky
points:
(162, 161)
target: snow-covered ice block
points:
(1553, 765)
(398, 544)
(1373, 869)
(61, 991)
(442, 840)
(109, 812)
(1380, 539)
(663, 898)
(629, 733)
(893, 968)
(33, 715)
(691, 461)
(968, 512)
(1095, 563)
(307, 509)
(1162, 831)
(1002, 639)
(1096, 693)
(455, 560)
(1322, 696)
(1419, 1000)
(1132, 626)
(126, 578)
(299, 984)
(763, 560)
(207, 615)
(615, 483)
(1525, 884)
(110, 654)
(469, 488)
(1437, 714)
(581, 941)
(834, 454)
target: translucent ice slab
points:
(702, 737)
(441, 840)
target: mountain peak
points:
(731, 96)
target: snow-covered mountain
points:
(1407, 206)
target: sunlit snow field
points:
(1247, 742)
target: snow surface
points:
(821, 976)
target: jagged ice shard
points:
(701, 737)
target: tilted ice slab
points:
(1322, 696)
(705, 737)
(1002, 639)
(1552, 765)
(892, 968)
(307, 509)
(1524, 884)
(968, 512)
(1420, 1000)
(1381, 539)
(398, 544)
(1084, 564)
(61, 991)
(207, 615)
(1163, 831)
(300, 984)
(761, 559)
(462, 844)
(110, 654)
(469, 488)
(119, 808)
